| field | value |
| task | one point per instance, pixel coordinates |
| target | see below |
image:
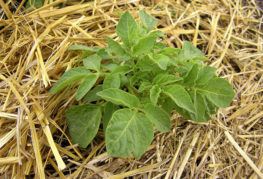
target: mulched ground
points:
(33, 55)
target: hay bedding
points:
(33, 55)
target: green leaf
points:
(109, 109)
(170, 51)
(128, 132)
(210, 107)
(91, 96)
(127, 29)
(192, 76)
(159, 45)
(156, 34)
(165, 79)
(112, 81)
(180, 96)
(145, 64)
(205, 74)
(119, 97)
(123, 58)
(144, 45)
(124, 81)
(82, 47)
(122, 70)
(190, 52)
(85, 54)
(140, 76)
(133, 80)
(167, 104)
(145, 85)
(200, 107)
(148, 21)
(186, 114)
(154, 94)
(161, 60)
(142, 32)
(69, 77)
(83, 123)
(219, 92)
(93, 62)
(158, 116)
(110, 66)
(86, 85)
(104, 54)
(115, 47)
(183, 70)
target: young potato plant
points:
(132, 88)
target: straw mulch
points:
(34, 140)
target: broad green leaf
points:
(218, 91)
(112, 81)
(127, 29)
(83, 123)
(85, 54)
(124, 80)
(205, 74)
(110, 66)
(144, 45)
(142, 32)
(183, 70)
(207, 117)
(122, 70)
(156, 34)
(144, 100)
(93, 62)
(170, 51)
(82, 47)
(158, 116)
(133, 80)
(148, 21)
(123, 58)
(86, 85)
(210, 107)
(128, 132)
(173, 61)
(119, 97)
(161, 60)
(189, 51)
(140, 76)
(145, 85)
(91, 96)
(69, 77)
(180, 96)
(200, 114)
(104, 54)
(165, 79)
(145, 64)
(184, 113)
(159, 45)
(167, 104)
(154, 94)
(115, 47)
(192, 76)
(109, 109)
(200, 107)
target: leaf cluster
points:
(132, 87)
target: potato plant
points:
(132, 87)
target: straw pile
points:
(34, 140)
